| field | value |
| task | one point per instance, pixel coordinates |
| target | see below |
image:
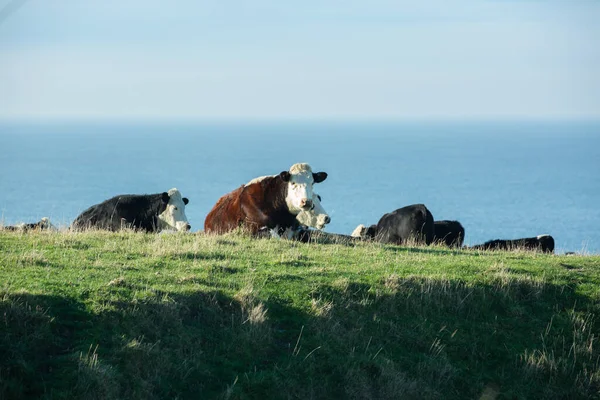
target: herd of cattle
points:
(282, 205)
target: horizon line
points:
(292, 119)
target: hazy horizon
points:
(233, 120)
(264, 60)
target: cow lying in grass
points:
(42, 225)
(449, 233)
(269, 203)
(543, 243)
(146, 212)
(406, 224)
(315, 218)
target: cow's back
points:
(546, 243)
(97, 216)
(406, 223)
(543, 243)
(124, 211)
(255, 206)
(226, 214)
(450, 233)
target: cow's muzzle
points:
(183, 226)
(306, 204)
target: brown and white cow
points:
(266, 203)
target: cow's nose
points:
(327, 219)
(188, 227)
(306, 204)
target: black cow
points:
(543, 243)
(450, 233)
(147, 212)
(413, 222)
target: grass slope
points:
(138, 316)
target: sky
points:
(261, 59)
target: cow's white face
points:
(46, 224)
(173, 217)
(315, 218)
(364, 232)
(300, 180)
(359, 231)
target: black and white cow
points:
(450, 233)
(409, 223)
(146, 212)
(42, 225)
(543, 243)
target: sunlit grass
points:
(132, 315)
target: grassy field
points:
(136, 316)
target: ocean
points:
(501, 180)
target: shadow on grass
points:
(571, 266)
(223, 269)
(296, 263)
(335, 238)
(321, 237)
(400, 338)
(38, 337)
(201, 256)
(224, 242)
(420, 249)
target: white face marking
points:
(46, 224)
(300, 189)
(174, 215)
(315, 218)
(358, 231)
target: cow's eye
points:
(175, 208)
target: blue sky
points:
(311, 59)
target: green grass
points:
(138, 316)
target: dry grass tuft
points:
(34, 257)
(257, 314)
(342, 284)
(253, 311)
(188, 279)
(95, 379)
(392, 282)
(245, 296)
(118, 282)
(321, 308)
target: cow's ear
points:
(165, 197)
(319, 176)
(186, 200)
(285, 175)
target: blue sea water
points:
(499, 179)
